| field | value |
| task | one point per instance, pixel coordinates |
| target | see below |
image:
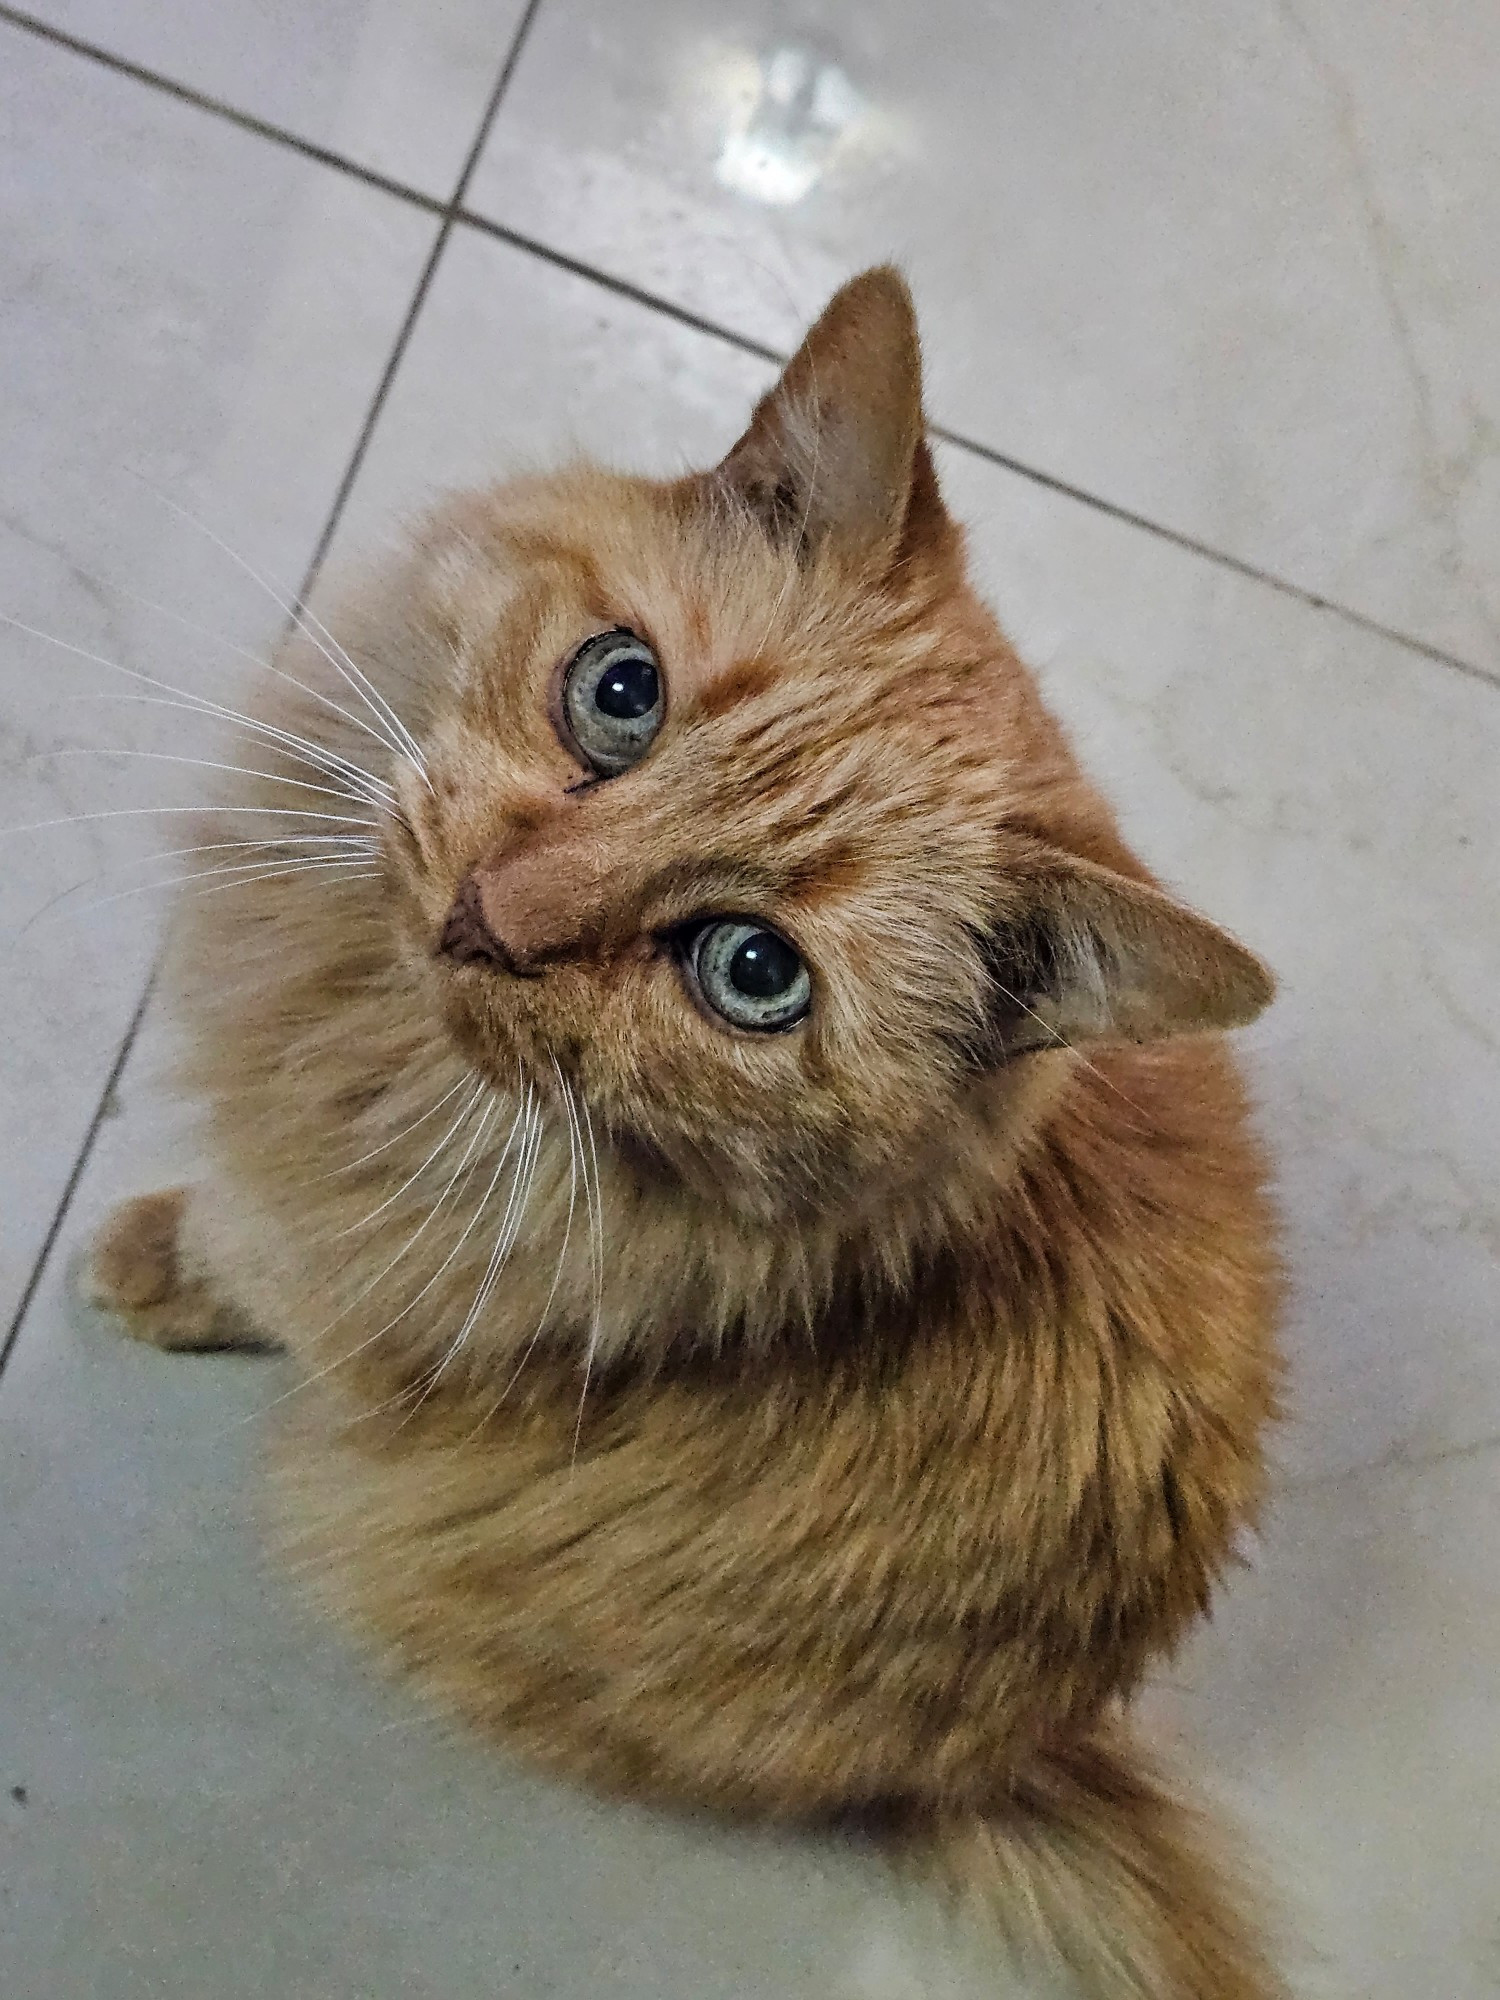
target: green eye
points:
(750, 975)
(612, 701)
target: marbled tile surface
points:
(397, 86)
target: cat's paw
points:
(135, 1270)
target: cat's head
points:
(744, 817)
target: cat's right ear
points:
(1076, 953)
(835, 455)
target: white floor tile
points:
(516, 365)
(1348, 1694)
(1324, 791)
(199, 307)
(1230, 266)
(399, 86)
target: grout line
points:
(1395, 1460)
(453, 211)
(450, 213)
(184, 93)
(70, 1188)
(492, 110)
(1179, 538)
(623, 288)
(367, 428)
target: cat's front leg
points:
(141, 1268)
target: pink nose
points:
(467, 938)
(517, 912)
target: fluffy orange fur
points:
(858, 1411)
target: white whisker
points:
(342, 1360)
(199, 812)
(413, 750)
(573, 1149)
(510, 1225)
(596, 1264)
(416, 1299)
(1057, 1040)
(375, 1213)
(596, 1244)
(355, 868)
(198, 703)
(255, 660)
(204, 764)
(411, 1243)
(338, 871)
(507, 1235)
(573, 1156)
(370, 789)
(327, 760)
(355, 843)
(304, 618)
(333, 846)
(386, 1144)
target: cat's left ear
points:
(835, 454)
(1076, 952)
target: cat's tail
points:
(1096, 1866)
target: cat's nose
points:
(522, 910)
(468, 938)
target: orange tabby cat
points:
(754, 1356)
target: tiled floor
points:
(1210, 295)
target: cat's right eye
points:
(612, 704)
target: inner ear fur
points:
(1076, 952)
(834, 456)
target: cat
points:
(746, 1163)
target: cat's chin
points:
(651, 1169)
(505, 1055)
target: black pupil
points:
(764, 967)
(628, 689)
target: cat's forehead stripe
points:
(743, 681)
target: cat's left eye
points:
(612, 701)
(749, 974)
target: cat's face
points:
(734, 796)
(707, 831)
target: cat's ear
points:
(835, 454)
(1076, 952)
